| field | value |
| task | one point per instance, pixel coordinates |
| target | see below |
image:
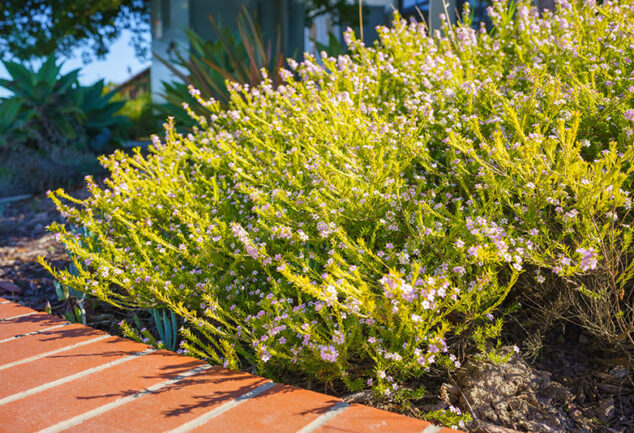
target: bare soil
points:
(570, 385)
(24, 238)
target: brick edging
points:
(56, 376)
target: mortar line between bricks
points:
(72, 422)
(49, 385)
(52, 352)
(4, 302)
(324, 418)
(431, 429)
(15, 337)
(18, 316)
(197, 422)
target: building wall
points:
(169, 19)
(286, 16)
(379, 14)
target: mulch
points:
(24, 238)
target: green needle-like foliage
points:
(376, 216)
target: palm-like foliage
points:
(238, 57)
(48, 109)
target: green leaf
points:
(66, 81)
(49, 71)
(21, 76)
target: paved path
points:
(56, 376)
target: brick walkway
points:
(56, 376)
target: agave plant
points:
(49, 109)
(11, 122)
(99, 116)
(51, 127)
(232, 56)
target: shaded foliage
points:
(37, 28)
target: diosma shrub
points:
(375, 209)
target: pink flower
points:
(588, 258)
(339, 338)
(328, 353)
(331, 295)
(459, 270)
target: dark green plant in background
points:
(75, 311)
(334, 47)
(143, 119)
(238, 57)
(11, 122)
(52, 127)
(167, 327)
(165, 324)
(343, 12)
(52, 109)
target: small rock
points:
(7, 286)
(358, 397)
(619, 372)
(576, 414)
(492, 428)
(607, 408)
(449, 394)
(514, 395)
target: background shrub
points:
(52, 127)
(381, 212)
(140, 111)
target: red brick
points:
(45, 341)
(38, 372)
(280, 409)
(24, 325)
(363, 419)
(3, 300)
(11, 310)
(174, 405)
(89, 392)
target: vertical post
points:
(361, 18)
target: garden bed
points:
(440, 225)
(570, 386)
(23, 238)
